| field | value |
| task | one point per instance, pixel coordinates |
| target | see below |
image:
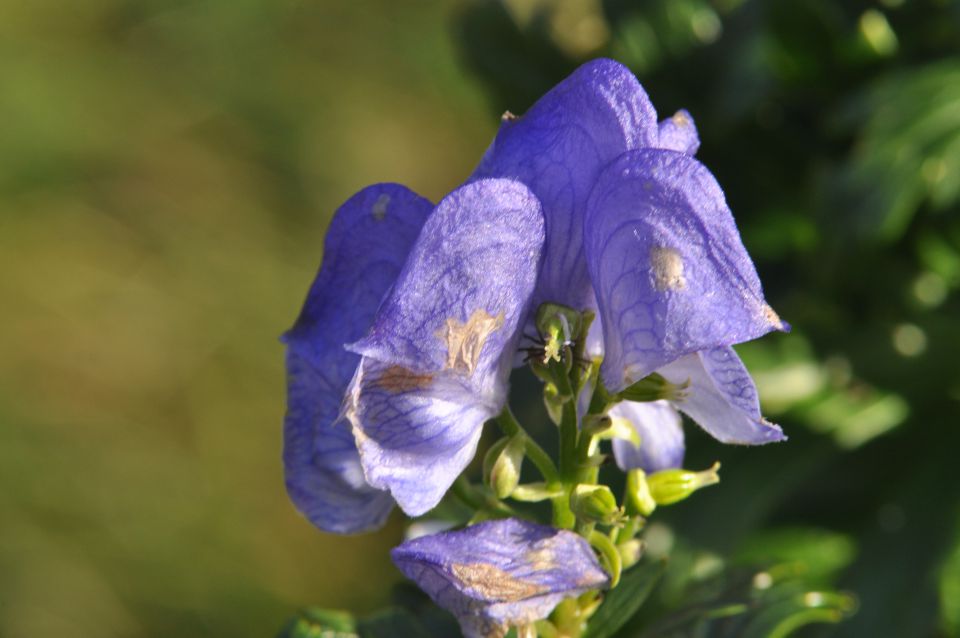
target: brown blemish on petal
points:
(465, 340)
(667, 265)
(772, 317)
(541, 558)
(492, 583)
(379, 209)
(398, 379)
(681, 119)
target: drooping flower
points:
(676, 288)
(636, 228)
(365, 248)
(435, 361)
(500, 573)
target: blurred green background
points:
(168, 169)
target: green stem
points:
(462, 489)
(601, 398)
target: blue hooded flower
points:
(636, 228)
(365, 248)
(500, 573)
(675, 288)
(435, 361)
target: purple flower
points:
(637, 229)
(500, 573)
(437, 357)
(366, 246)
(558, 149)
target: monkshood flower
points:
(365, 248)
(500, 573)
(640, 230)
(436, 359)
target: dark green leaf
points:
(390, 623)
(624, 601)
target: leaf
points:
(822, 552)
(783, 617)
(392, 622)
(624, 601)
(314, 622)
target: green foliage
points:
(326, 623)
(623, 602)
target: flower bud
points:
(638, 498)
(595, 503)
(670, 486)
(630, 552)
(553, 402)
(505, 472)
(654, 387)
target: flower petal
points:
(671, 274)
(500, 573)
(661, 436)
(722, 397)
(416, 431)
(558, 148)
(365, 248)
(437, 357)
(679, 133)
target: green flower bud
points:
(493, 453)
(654, 387)
(670, 486)
(630, 552)
(595, 503)
(553, 402)
(505, 473)
(638, 498)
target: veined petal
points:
(365, 248)
(437, 357)
(679, 133)
(670, 272)
(661, 436)
(722, 397)
(558, 148)
(500, 573)
(416, 431)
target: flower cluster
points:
(584, 207)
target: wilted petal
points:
(671, 274)
(722, 397)
(661, 436)
(437, 357)
(558, 149)
(679, 133)
(365, 248)
(500, 573)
